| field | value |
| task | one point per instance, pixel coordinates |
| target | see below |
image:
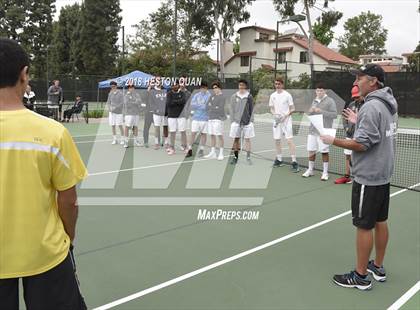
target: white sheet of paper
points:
(318, 122)
(330, 132)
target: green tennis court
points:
(143, 247)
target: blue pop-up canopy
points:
(138, 78)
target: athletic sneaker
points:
(308, 173)
(220, 157)
(211, 155)
(324, 177)
(182, 148)
(137, 143)
(114, 141)
(295, 167)
(343, 180)
(234, 161)
(200, 153)
(126, 144)
(352, 280)
(278, 163)
(171, 151)
(166, 146)
(189, 153)
(146, 145)
(122, 142)
(378, 273)
(249, 161)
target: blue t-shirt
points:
(199, 106)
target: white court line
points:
(81, 142)
(168, 164)
(172, 201)
(404, 298)
(226, 260)
(102, 134)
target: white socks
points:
(325, 167)
(213, 150)
(311, 165)
(280, 157)
(293, 158)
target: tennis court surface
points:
(141, 245)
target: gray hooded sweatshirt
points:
(115, 101)
(328, 111)
(376, 130)
(132, 103)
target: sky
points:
(400, 17)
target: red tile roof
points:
(252, 53)
(269, 67)
(323, 51)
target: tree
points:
(324, 24)
(64, 42)
(414, 60)
(236, 45)
(12, 18)
(218, 16)
(158, 61)
(364, 35)
(156, 31)
(30, 23)
(286, 8)
(100, 25)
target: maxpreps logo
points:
(224, 215)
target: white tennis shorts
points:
(215, 127)
(160, 120)
(131, 120)
(236, 130)
(315, 144)
(283, 129)
(115, 119)
(177, 124)
(199, 126)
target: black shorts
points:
(369, 204)
(56, 289)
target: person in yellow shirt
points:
(39, 169)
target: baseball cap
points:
(373, 70)
(355, 92)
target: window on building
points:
(244, 61)
(304, 57)
(264, 36)
(281, 57)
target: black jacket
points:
(175, 103)
(216, 107)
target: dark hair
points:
(216, 83)
(13, 59)
(113, 83)
(176, 82)
(320, 85)
(279, 79)
(243, 81)
(204, 84)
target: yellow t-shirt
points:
(37, 158)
